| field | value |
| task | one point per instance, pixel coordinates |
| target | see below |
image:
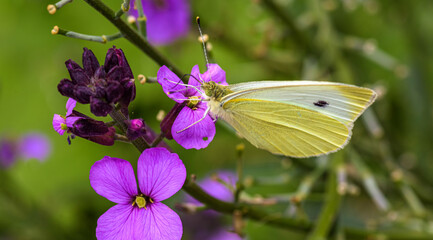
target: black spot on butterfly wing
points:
(321, 103)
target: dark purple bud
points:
(8, 153)
(95, 131)
(90, 62)
(78, 76)
(106, 139)
(100, 73)
(128, 92)
(114, 91)
(115, 74)
(167, 122)
(100, 107)
(136, 128)
(87, 127)
(115, 57)
(100, 92)
(66, 88)
(82, 94)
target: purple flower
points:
(190, 129)
(59, 121)
(101, 86)
(166, 20)
(34, 145)
(139, 213)
(83, 126)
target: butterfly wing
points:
(296, 118)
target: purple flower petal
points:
(100, 107)
(114, 179)
(169, 82)
(70, 105)
(215, 73)
(160, 173)
(197, 136)
(118, 223)
(58, 122)
(160, 222)
(125, 222)
(71, 120)
(77, 73)
(35, 145)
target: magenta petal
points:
(160, 222)
(195, 78)
(164, 77)
(35, 145)
(114, 179)
(160, 173)
(70, 105)
(197, 136)
(118, 223)
(215, 73)
(57, 123)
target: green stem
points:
(124, 7)
(101, 39)
(132, 35)
(332, 202)
(157, 140)
(141, 19)
(121, 120)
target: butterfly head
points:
(214, 90)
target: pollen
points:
(193, 101)
(63, 126)
(140, 201)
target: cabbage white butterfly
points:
(291, 118)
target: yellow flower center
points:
(141, 201)
(192, 102)
(63, 126)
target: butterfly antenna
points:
(203, 41)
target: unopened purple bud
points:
(100, 107)
(167, 122)
(87, 127)
(77, 74)
(136, 128)
(66, 88)
(115, 57)
(90, 62)
(82, 94)
(95, 131)
(114, 91)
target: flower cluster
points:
(101, 86)
(166, 20)
(192, 126)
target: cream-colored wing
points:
(285, 129)
(340, 101)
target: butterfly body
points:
(291, 118)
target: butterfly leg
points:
(194, 123)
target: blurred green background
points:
(384, 45)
